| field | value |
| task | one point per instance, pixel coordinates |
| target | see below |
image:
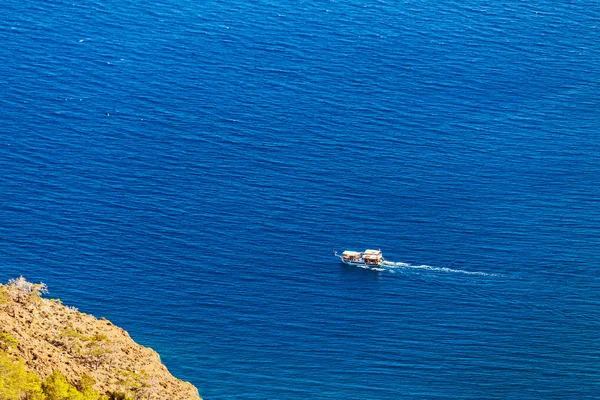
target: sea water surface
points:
(187, 168)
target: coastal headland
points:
(47, 347)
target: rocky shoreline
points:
(49, 336)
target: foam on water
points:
(391, 266)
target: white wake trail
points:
(393, 265)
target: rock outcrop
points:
(51, 336)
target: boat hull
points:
(366, 259)
(361, 264)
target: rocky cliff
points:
(50, 336)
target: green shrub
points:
(90, 350)
(86, 387)
(4, 297)
(15, 382)
(56, 387)
(85, 382)
(7, 341)
(117, 396)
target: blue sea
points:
(187, 168)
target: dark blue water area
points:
(186, 169)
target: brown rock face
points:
(52, 336)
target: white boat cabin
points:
(352, 256)
(371, 257)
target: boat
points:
(367, 258)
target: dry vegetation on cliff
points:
(44, 341)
